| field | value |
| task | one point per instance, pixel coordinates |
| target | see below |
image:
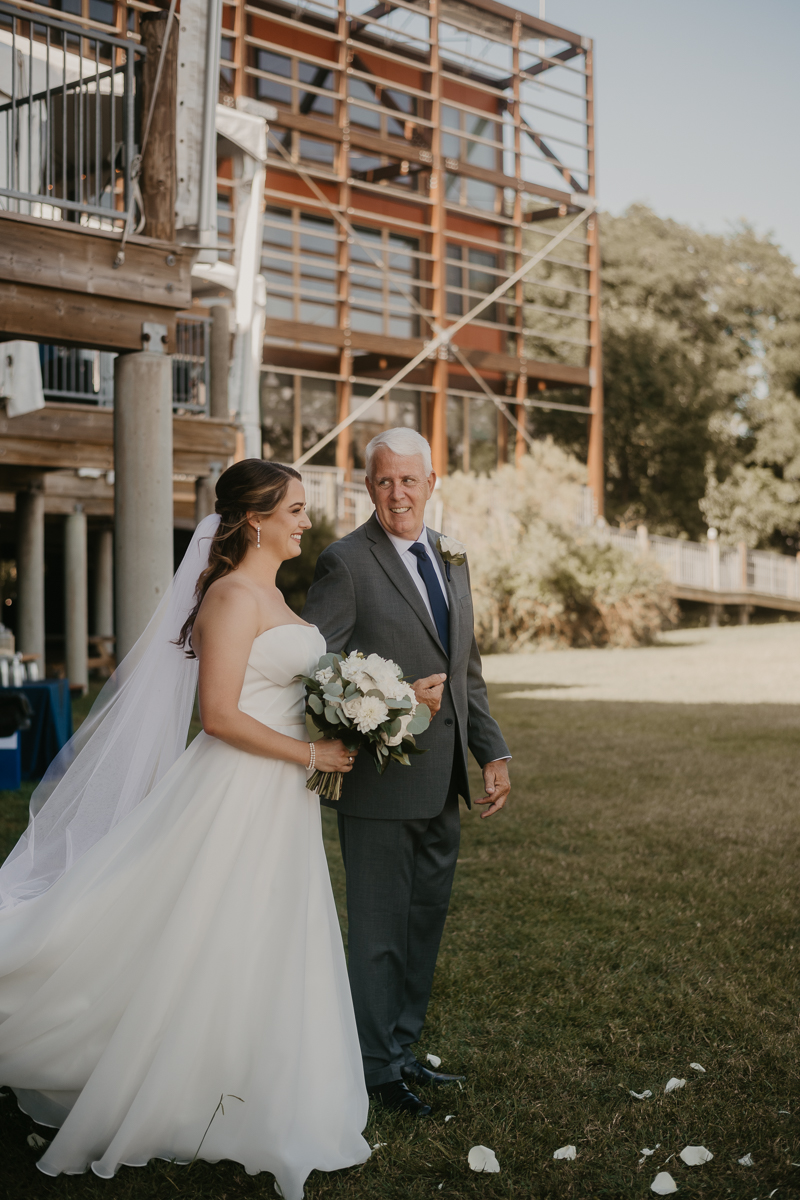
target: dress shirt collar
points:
(403, 545)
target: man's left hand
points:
(497, 784)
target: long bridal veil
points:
(133, 734)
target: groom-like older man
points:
(386, 589)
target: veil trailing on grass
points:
(133, 734)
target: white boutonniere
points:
(452, 551)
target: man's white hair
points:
(400, 441)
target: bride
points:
(172, 978)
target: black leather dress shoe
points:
(397, 1098)
(419, 1075)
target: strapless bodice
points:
(271, 691)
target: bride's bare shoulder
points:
(230, 599)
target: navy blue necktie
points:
(441, 615)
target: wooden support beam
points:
(159, 181)
(81, 435)
(70, 319)
(72, 258)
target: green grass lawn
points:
(635, 910)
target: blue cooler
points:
(10, 763)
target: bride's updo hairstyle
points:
(249, 486)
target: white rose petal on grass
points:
(695, 1156)
(450, 1117)
(37, 1141)
(663, 1184)
(434, 1060)
(647, 1153)
(481, 1158)
(642, 1095)
(674, 1084)
(747, 1161)
(567, 1152)
(697, 1067)
(379, 1145)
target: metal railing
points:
(67, 133)
(709, 567)
(78, 376)
(82, 376)
(191, 364)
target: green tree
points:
(701, 348)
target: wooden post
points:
(219, 351)
(595, 355)
(344, 442)
(438, 408)
(159, 174)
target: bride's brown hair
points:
(248, 486)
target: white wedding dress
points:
(194, 953)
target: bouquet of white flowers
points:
(366, 703)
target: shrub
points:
(538, 578)
(296, 575)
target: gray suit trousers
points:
(399, 877)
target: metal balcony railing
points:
(68, 131)
(78, 376)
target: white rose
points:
(451, 545)
(405, 721)
(367, 711)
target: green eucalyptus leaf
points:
(315, 703)
(332, 714)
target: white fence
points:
(707, 566)
(702, 566)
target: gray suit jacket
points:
(363, 599)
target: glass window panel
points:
(395, 128)
(322, 106)
(276, 64)
(318, 408)
(321, 152)
(281, 307)
(455, 433)
(407, 104)
(452, 188)
(359, 90)
(226, 49)
(450, 117)
(451, 145)
(482, 156)
(364, 116)
(366, 322)
(277, 414)
(267, 89)
(317, 314)
(100, 10)
(321, 77)
(483, 436)
(402, 327)
(481, 195)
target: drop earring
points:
(258, 537)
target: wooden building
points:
(197, 293)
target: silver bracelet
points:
(312, 756)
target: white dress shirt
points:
(411, 564)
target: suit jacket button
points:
(448, 720)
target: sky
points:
(697, 107)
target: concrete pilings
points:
(143, 560)
(76, 596)
(30, 573)
(104, 587)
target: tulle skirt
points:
(192, 955)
